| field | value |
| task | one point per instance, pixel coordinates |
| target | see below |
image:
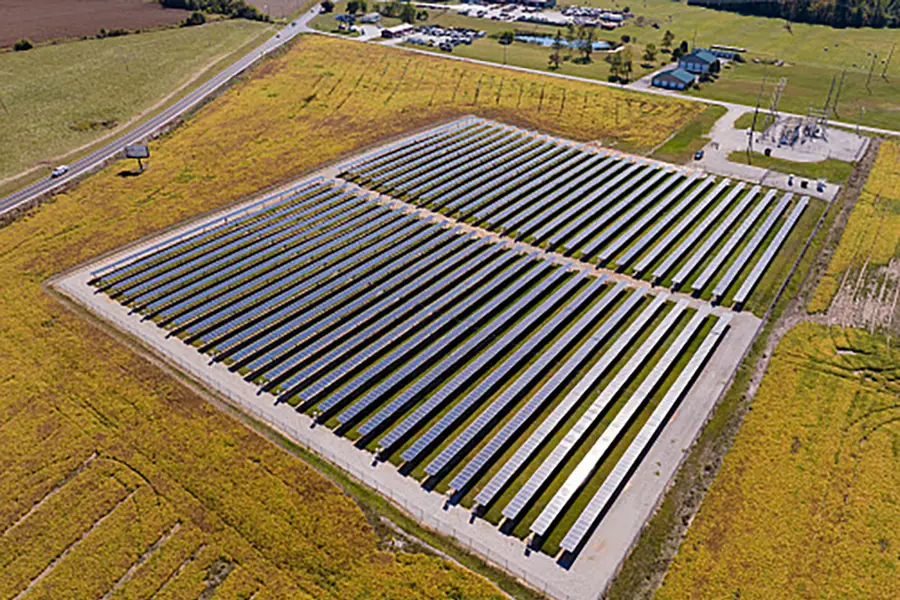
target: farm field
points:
(864, 268)
(805, 503)
(242, 505)
(41, 20)
(59, 98)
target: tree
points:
(555, 57)
(615, 66)
(327, 6)
(507, 37)
(683, 46)
(586, 43)
(625, 69)
(668, 38)
(353, 7)
(650, 53)
(23, 45)
(408, 13)
(196, 18)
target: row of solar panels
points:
(634, 215)
(419, 335)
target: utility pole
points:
(837, 96)
(862, 111)
(755, 116)
(6, 110)
(888, 62)
(872, 68)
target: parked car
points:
(698, 154)
(59, 171)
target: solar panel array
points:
(641, 217)
(483, 366)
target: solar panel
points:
(558, 179)
(560, 453)
(722, 255)
(502, 196)
(613, 230)
(157, 283)
(476, 369)
(189, 300)
(536, 217)
(767, 257)
(206, 233)
(455, 359)
(549, 389)
(698, 231)
(458, 183)
(493, 293)
(744, 257)
(219, 235)
(486, 184)
(298, 350)
(589, 462)
(465, 162)
(312, 382)
(298, 289)
(600, 221)
(667, 220)
(616, 479)
(584, 385)
(281, 337)
(596, 203)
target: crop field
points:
(865, 270)
(525, 385)
(806, 502)
(62, 97)
(682, 228)
(40, 20)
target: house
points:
(674, 79)
(698, 61)
(397, 31)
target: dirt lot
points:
(41, 20)
(277, 8)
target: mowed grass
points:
(57, 98)
(872, 235)
(809, 65)
(830, 169)
(131, 450)
(805, 504)
(680, 148)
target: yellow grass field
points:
(872, 235)
(807, 502)
(108, 464)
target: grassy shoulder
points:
(831, 169)
(680, 148)
(63, 97)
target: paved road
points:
(154, 124)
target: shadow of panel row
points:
(510, 379)
(654, 221)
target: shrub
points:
(327, 6)
(196, 18)
(23, 45)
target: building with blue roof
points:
(674, 79)
(698, 61)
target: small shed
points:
(674, 79)
(397, 31)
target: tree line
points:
(237, 9)
(836, 13)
